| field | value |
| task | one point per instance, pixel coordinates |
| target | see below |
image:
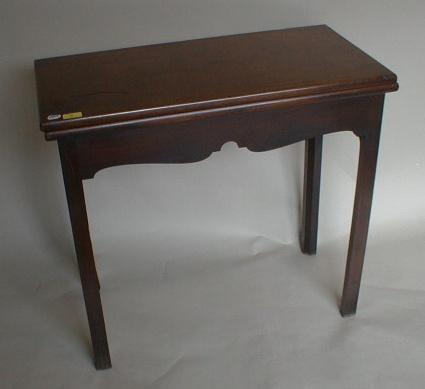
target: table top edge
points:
(59, 129)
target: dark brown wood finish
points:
(310, 215)
(369, 144)
(205, 74)
(180, 102)
(83, 248)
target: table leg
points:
(369, 144)
(310, 212)
(83, 247)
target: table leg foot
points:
(310, 212)
(102, 359)
(103, 363)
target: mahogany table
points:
(179, 102)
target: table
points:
(179, 102)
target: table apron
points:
(194, 139)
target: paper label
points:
(72, 115)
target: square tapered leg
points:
(310, 212)
(83, 247)
(369, 145)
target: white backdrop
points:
(202, 281)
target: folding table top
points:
(137, 83)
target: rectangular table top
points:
(116, 86)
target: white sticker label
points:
(54, 117)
